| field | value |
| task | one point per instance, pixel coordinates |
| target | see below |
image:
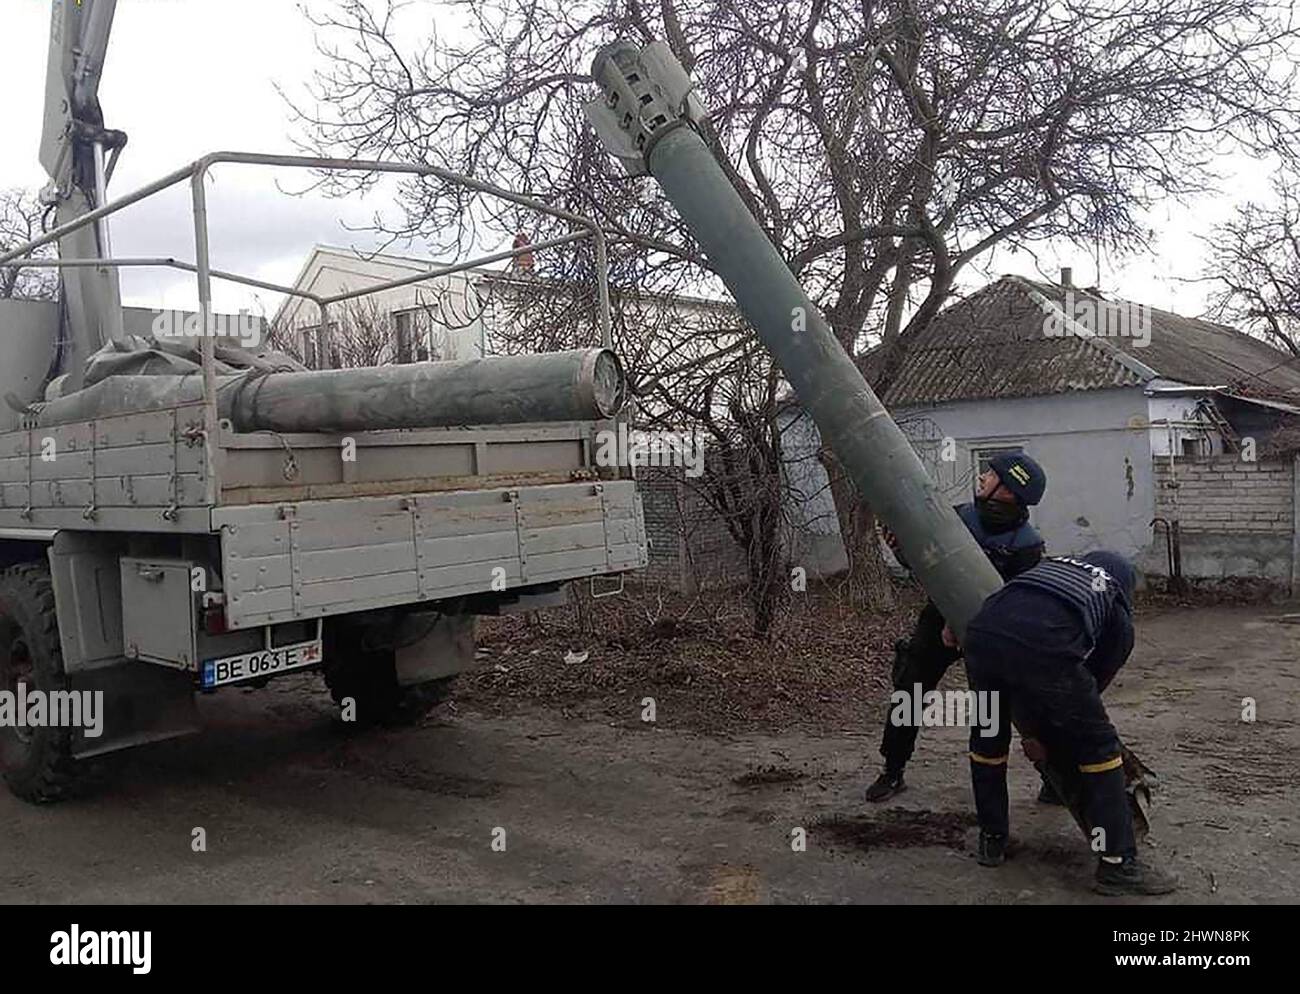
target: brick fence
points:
(1236, 518)
(690, 546)
(1227, 494)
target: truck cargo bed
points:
(315, 524)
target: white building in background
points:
(441, 318)
(1185, 421)
(459, 316)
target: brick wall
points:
(1226, 495)
(690, 546)
(1235, 518)
(661, 499)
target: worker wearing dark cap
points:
(1048, 643)
(999, 520)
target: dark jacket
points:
(1011, 552)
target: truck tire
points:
(37, 762)
(369, 678)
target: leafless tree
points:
(1254, 265)
(884, 146)
(744, 481)
(710, 378)
(20, 221)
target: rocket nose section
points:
(622, 53)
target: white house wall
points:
(1094, 445)
(455, 308)
(813, 530)
(474, 309)
(1173, 421)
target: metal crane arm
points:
(78, 152)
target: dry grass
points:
(824, 666)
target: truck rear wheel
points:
(369, 678)
(37, 762)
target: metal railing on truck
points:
(196, 172)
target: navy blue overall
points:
(923, 658)
(1049, 643)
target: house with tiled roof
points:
(1148, 423)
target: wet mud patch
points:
(896, 829)
(430, 781)
(768, 775)
(1056, 855)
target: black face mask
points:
(999, 515)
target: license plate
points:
(264, 662)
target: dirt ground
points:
(600, 806)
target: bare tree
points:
(710, 379)
(884, 146)
(20, 221)
(1254, 263)
(744, 480)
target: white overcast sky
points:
(185, 77)
(182, 78)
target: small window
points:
(402, 322)
(313, 351)
(1191, 447)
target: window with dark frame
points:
(402, 322)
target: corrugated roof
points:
(1204, 353)
(995, 343)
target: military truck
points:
(180, 514)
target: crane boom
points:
(78, 153)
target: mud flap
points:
(142, 703)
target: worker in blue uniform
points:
(1049, 642)
(999, 519)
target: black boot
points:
(886, 786)
(1047, 794)
(1132, 876)
(993, 849)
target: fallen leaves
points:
(822, 667)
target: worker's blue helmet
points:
(1021, 475)
(1118, 567)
